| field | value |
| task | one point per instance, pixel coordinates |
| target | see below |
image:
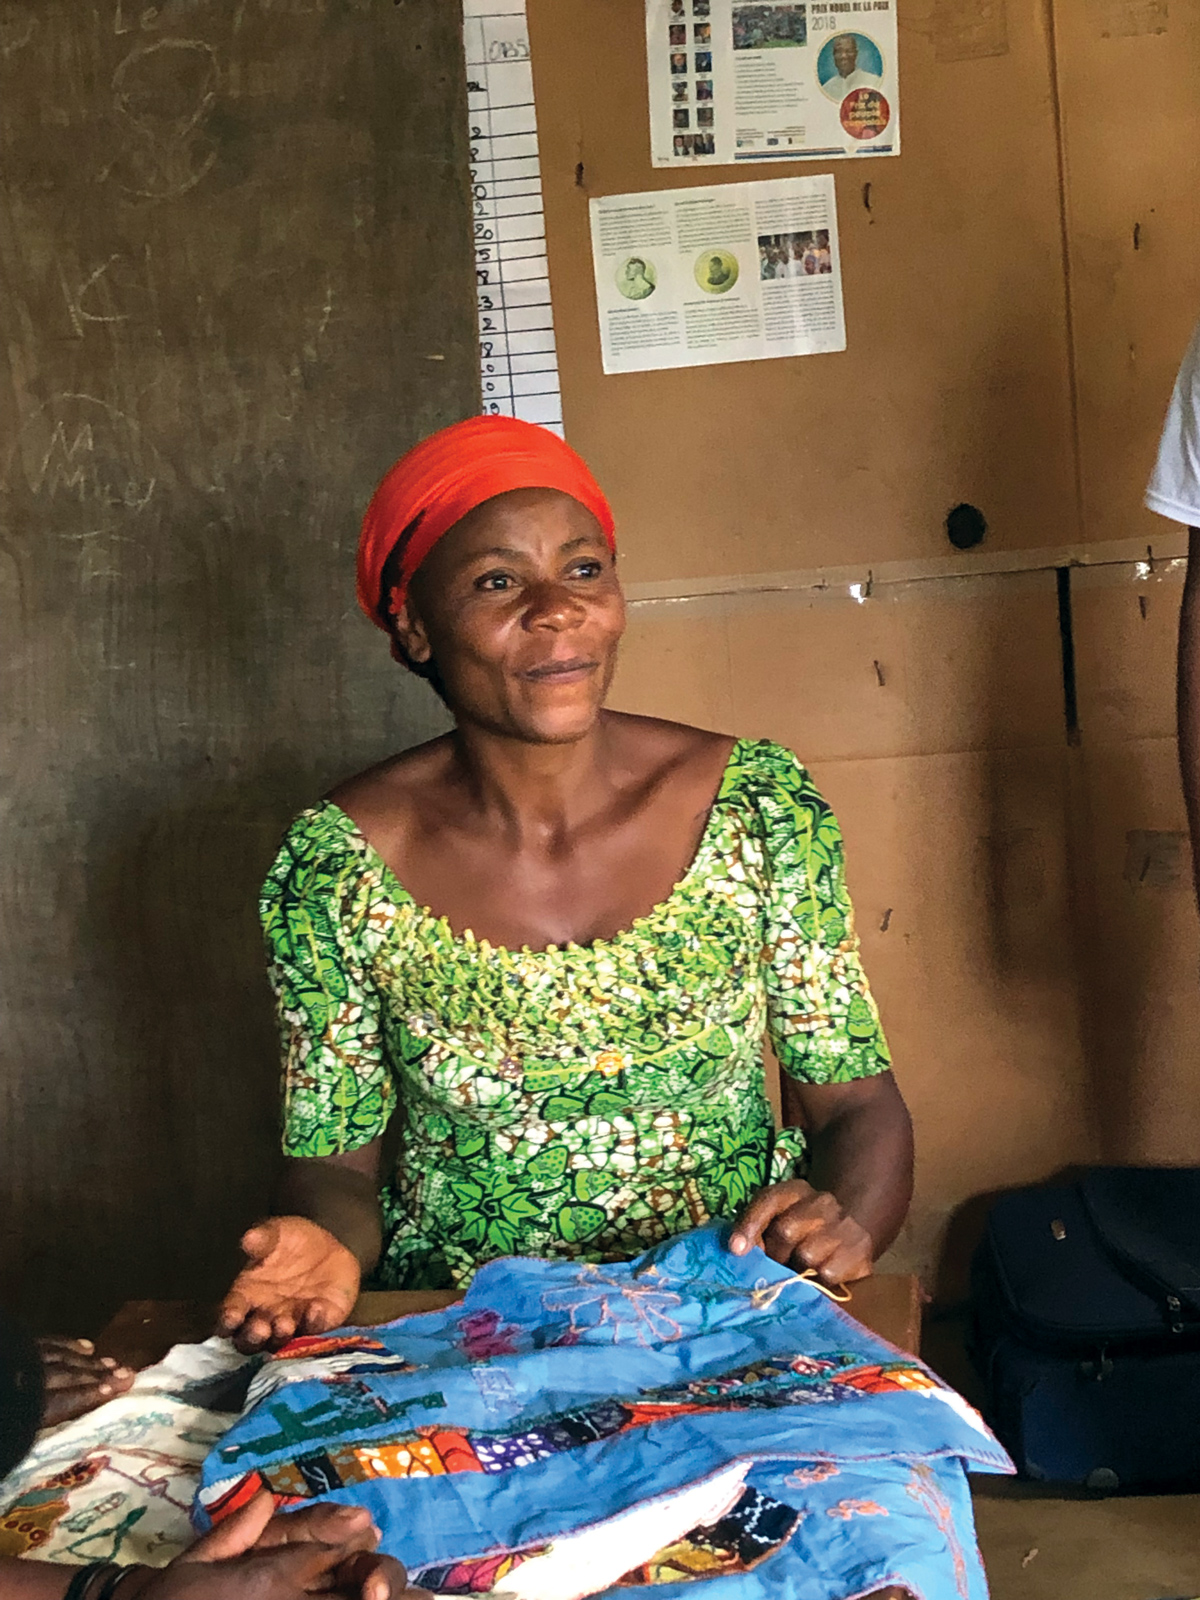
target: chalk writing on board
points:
(518, 360)
(80, 449)
(164, 93)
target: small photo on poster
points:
(704, 117)
(865, 114)
(847, 62)
(702, 33)
(781, 25)
(679, 62)
(678, 35)
(794, 255)
(704, 89)
(680, 92)
(703, 60)
(683, 118)
(700, 8)
(716, 271)
(637, 278)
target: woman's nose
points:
(552, 605)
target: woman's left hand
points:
(805, 1228)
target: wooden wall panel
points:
(1128, 71)
(1141, 953)
(955, 382)
(952, 781)
(234, 283)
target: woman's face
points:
(520, 607)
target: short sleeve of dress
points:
(822, 1019)
(338, 1092)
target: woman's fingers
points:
(807, 1229)
(239, 1532)
(254, 1334)
(235, 1308)
(298, 1278)
(350, 1527)
(76, 1380)
(805, 1234)
(373, 1577)
(66, 1400)
(766, 1205)
(259, 1241)
(853, 1257)
(53, 1343)
(74, 1355)
(320, 1315)
(836, 1248)
(54, 1378)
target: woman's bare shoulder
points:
(671, 750)
(380, 798)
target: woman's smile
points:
(574, 670)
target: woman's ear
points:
(408, 627)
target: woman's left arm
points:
(835, 1067)
(860, 1180)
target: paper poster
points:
(764, 80)
(517, 357)
(733, 272)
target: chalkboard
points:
(235, 283)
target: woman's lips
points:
(561, 671)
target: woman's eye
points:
(494, 582)
(586, 569)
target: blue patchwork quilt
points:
(570, 1429)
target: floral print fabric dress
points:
(579, 1101)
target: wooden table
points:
(142, 1332)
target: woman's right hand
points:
(298, 1279)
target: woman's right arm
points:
(307, 1260)
(305, 1263)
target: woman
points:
(549, 943)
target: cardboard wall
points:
(957, 361)
(1022, 882)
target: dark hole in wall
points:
(966, 526)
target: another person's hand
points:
(805, 1228)
(256, 1555)
(76, 1379)
(299, 1279)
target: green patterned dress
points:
(579, 1101)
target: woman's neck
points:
(538, 793)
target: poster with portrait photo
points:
(731, 272)
(786, 79)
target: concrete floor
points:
(1135, 1548)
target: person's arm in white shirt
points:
(1188, 696)
(1174, 491)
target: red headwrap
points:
(449, 474)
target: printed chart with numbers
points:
(518, 363)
